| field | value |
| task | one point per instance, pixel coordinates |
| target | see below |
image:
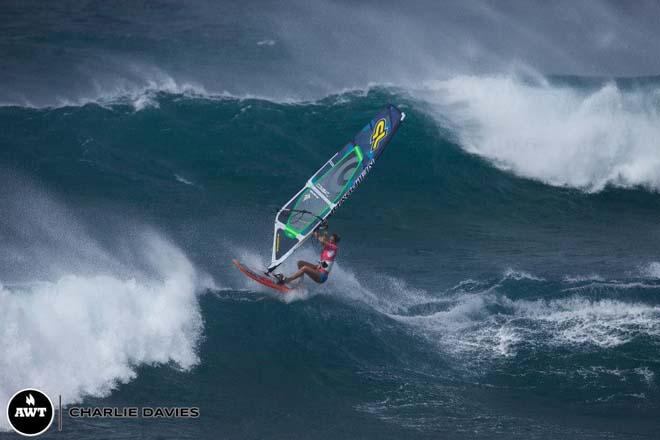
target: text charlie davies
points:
(134, 412)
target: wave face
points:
(470, 299)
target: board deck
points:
(261, 278)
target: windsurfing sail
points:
(331, 185)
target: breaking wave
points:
(562, 135)
(85, 327)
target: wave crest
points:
(564, 136)
(84, 335)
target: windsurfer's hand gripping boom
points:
(318, 272)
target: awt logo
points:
(30, 412)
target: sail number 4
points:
(380, 131)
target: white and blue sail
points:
(331, 185)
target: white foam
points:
(183, 180)
(267, 42)
(583, 278)
(77, 317)
(646, 374)
(486, 325)
(651, 270)
(611, 285)
(560, 135)
(518, 275)
(602, 323)
(83, 335)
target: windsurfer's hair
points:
(336, 237)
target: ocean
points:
(498, 275)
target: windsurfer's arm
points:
(322, 237)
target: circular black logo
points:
(30, 412)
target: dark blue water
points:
(498, 277)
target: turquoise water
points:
(466, 301)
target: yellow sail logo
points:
(380, 131)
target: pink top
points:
(328, 255)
